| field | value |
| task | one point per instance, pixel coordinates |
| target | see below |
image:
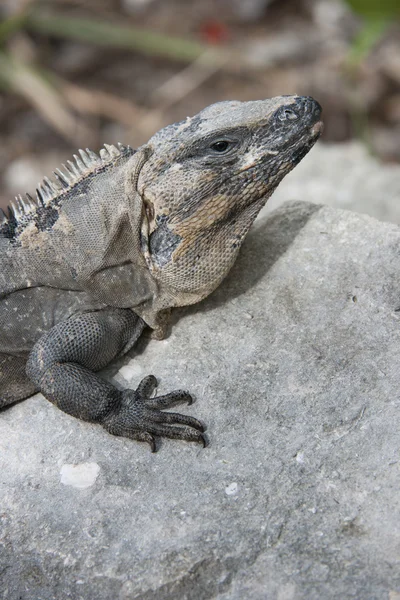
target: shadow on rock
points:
(265, 244)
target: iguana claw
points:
(140, 416)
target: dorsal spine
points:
(48, 191)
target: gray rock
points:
(295, 365)
(344, 176)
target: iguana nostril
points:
(307, 105)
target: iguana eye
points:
(220, 146)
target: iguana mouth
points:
(317, 130)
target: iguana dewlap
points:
(117, 239)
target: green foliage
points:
(372, 31)
(377, 15)
(375, 9)
(112, 35)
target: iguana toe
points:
(140, 417)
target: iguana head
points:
(208, 177)
(161, 226)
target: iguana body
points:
(119, 238)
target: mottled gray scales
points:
(115, 240)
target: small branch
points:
(176, 88)
(189, 79)
(36, 89)
(97, 102)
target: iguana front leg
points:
(62, 365)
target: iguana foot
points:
(139, 416)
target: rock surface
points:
(344, 176)
(295, 365)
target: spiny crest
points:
(87, 163)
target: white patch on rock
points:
(231, 489)
(286, 592)
(131, 371)
(79, 476)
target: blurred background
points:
(78, 73)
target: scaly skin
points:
(120, 239)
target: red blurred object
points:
(214, 32)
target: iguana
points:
(116, 239)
